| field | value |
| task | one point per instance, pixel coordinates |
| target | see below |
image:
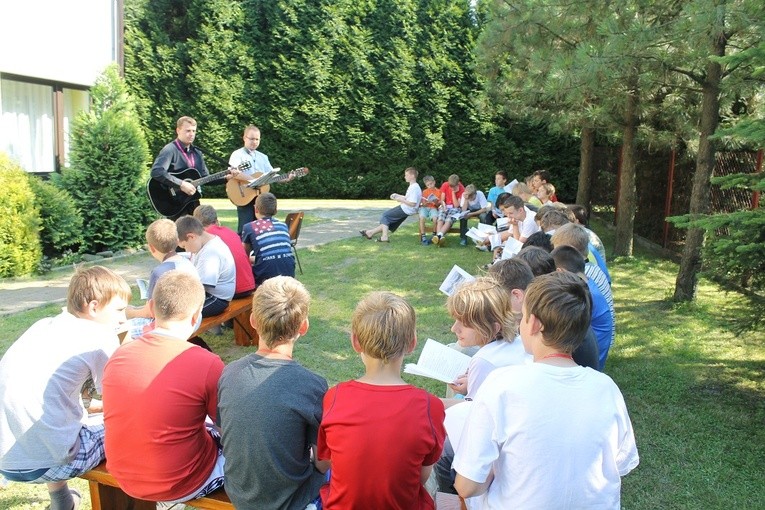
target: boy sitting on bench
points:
(158, 392)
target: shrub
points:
(20, 250)
(61, 220)
(109, 171)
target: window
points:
(35, 122)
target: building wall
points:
(64, 41)
(52, 52)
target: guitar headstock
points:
(299, 172)
(244, 165)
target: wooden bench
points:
(239, 311)
(106, 494)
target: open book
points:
(481, 232)
(439, 362)
(511, 248)
(454, 279)
(458, 215)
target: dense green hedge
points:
(356, 91)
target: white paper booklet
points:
(502, 224)
(454, 279)
(458, 215)
(480, 232)
(439, 362)
(143, 287)
(511, 248)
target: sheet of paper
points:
(496, 241)
(509, 187)
(439, 362)
(486, 229)
(456, 277)
(476, 235)
(511, 248)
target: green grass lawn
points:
(694, 388)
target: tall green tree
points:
(108, 169)
(708, 31)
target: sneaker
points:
(435, 240)
(481, 247)
(463, 242)
(425, 241)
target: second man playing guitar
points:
(260, 164)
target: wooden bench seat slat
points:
(238, 310)
(106, 494)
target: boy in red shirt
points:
(158, 392)
(380, 435)
(451, 192)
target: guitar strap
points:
(189, 160)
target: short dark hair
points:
(553, 219)
(206, 214)
(186, 225)
(543, 174)
(512, 201)
(561, 301)
(512, 273)
(540, 261)
(580, 213)
(503, 173)
(539, 239)
(568, 258)
(266, 204)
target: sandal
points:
(383, 240)
(364, 234)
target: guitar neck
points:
(209, 178)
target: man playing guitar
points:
(259, 165)
(180, 155)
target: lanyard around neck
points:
(189, 159)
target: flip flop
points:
(383, 240)
(364, 234)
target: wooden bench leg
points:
(244, 333)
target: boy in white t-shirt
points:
(394, 217)
(550, 434)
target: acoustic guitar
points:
(170, 200)
(242, 192)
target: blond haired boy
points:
(380, 435)
(162, 240)
(46, 435)
(270, 407)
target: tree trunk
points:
(584, 189)
(625, 217)
(690, 263)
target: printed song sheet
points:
(439, 362)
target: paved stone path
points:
(340, 220)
